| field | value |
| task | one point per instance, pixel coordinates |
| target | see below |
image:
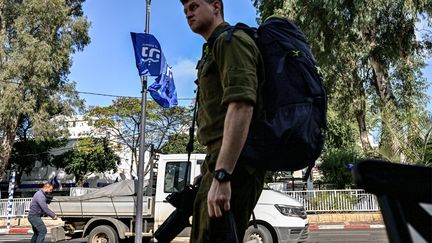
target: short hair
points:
(208, 1)
(47, 185)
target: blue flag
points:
(163, 89)
(151, 61)
(148, 54)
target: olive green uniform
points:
(230, 72)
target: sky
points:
(107, 64)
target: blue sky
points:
(107, 64)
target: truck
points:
(108, 214)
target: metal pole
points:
(142, 147)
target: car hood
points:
(269, 196)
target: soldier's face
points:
(199, 15)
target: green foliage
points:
(333, 201)
(37, 39)
(163, 122)
(89, 155)
(122, 121)
(266, 8)
(176, 144)
(334, 167)
(25, 153)
(341, 132)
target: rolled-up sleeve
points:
(237, 61)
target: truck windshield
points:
(175, 176)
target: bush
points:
(336, 165)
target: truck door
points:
(173, 175)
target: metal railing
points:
(318, 201)
(20, 207)
(336, 200)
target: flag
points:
(150, 61)
(55, 183)
(163, 89)
(148, 54)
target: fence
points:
(20, 207)
(319, 201)
(336, 200)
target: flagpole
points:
(142, 147)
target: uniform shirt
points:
(38, 205)
(230, 72)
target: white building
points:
(79, 127)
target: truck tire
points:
(103, 234)
(261, 234)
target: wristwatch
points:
(222, 175)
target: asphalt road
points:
(320, 236)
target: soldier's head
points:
(203, 16)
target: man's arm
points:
(44, 206)
(236, 128)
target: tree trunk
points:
(364, 133)
(360, 111)
(8, 139)
(389, 127)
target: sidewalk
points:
(22, 226)
(345, 226)
(346, 221)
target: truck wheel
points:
(103, 234)
(260, 234)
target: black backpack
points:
(291, 136)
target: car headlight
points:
(291, 211)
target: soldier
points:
(229, 80)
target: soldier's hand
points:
(218, 198)
(55, 217)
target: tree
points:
(122, 119)
(89, 155)
(177, 142)
(36, 41)
(27, 150)
(335, 167)
(371, 58)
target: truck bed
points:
(116, 200)
(122, 206)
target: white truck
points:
(107, 215)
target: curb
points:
(346, 226)
(16, 231)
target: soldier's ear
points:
(217, 5)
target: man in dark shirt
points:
(38, 208)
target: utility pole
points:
(142, 147)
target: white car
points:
(279, 218)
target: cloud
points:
(184, 76)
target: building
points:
(78, 127)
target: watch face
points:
(221, 175)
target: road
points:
(320, 236)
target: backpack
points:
(291, 135)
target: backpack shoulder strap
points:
(231, 28)
(215, 36)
